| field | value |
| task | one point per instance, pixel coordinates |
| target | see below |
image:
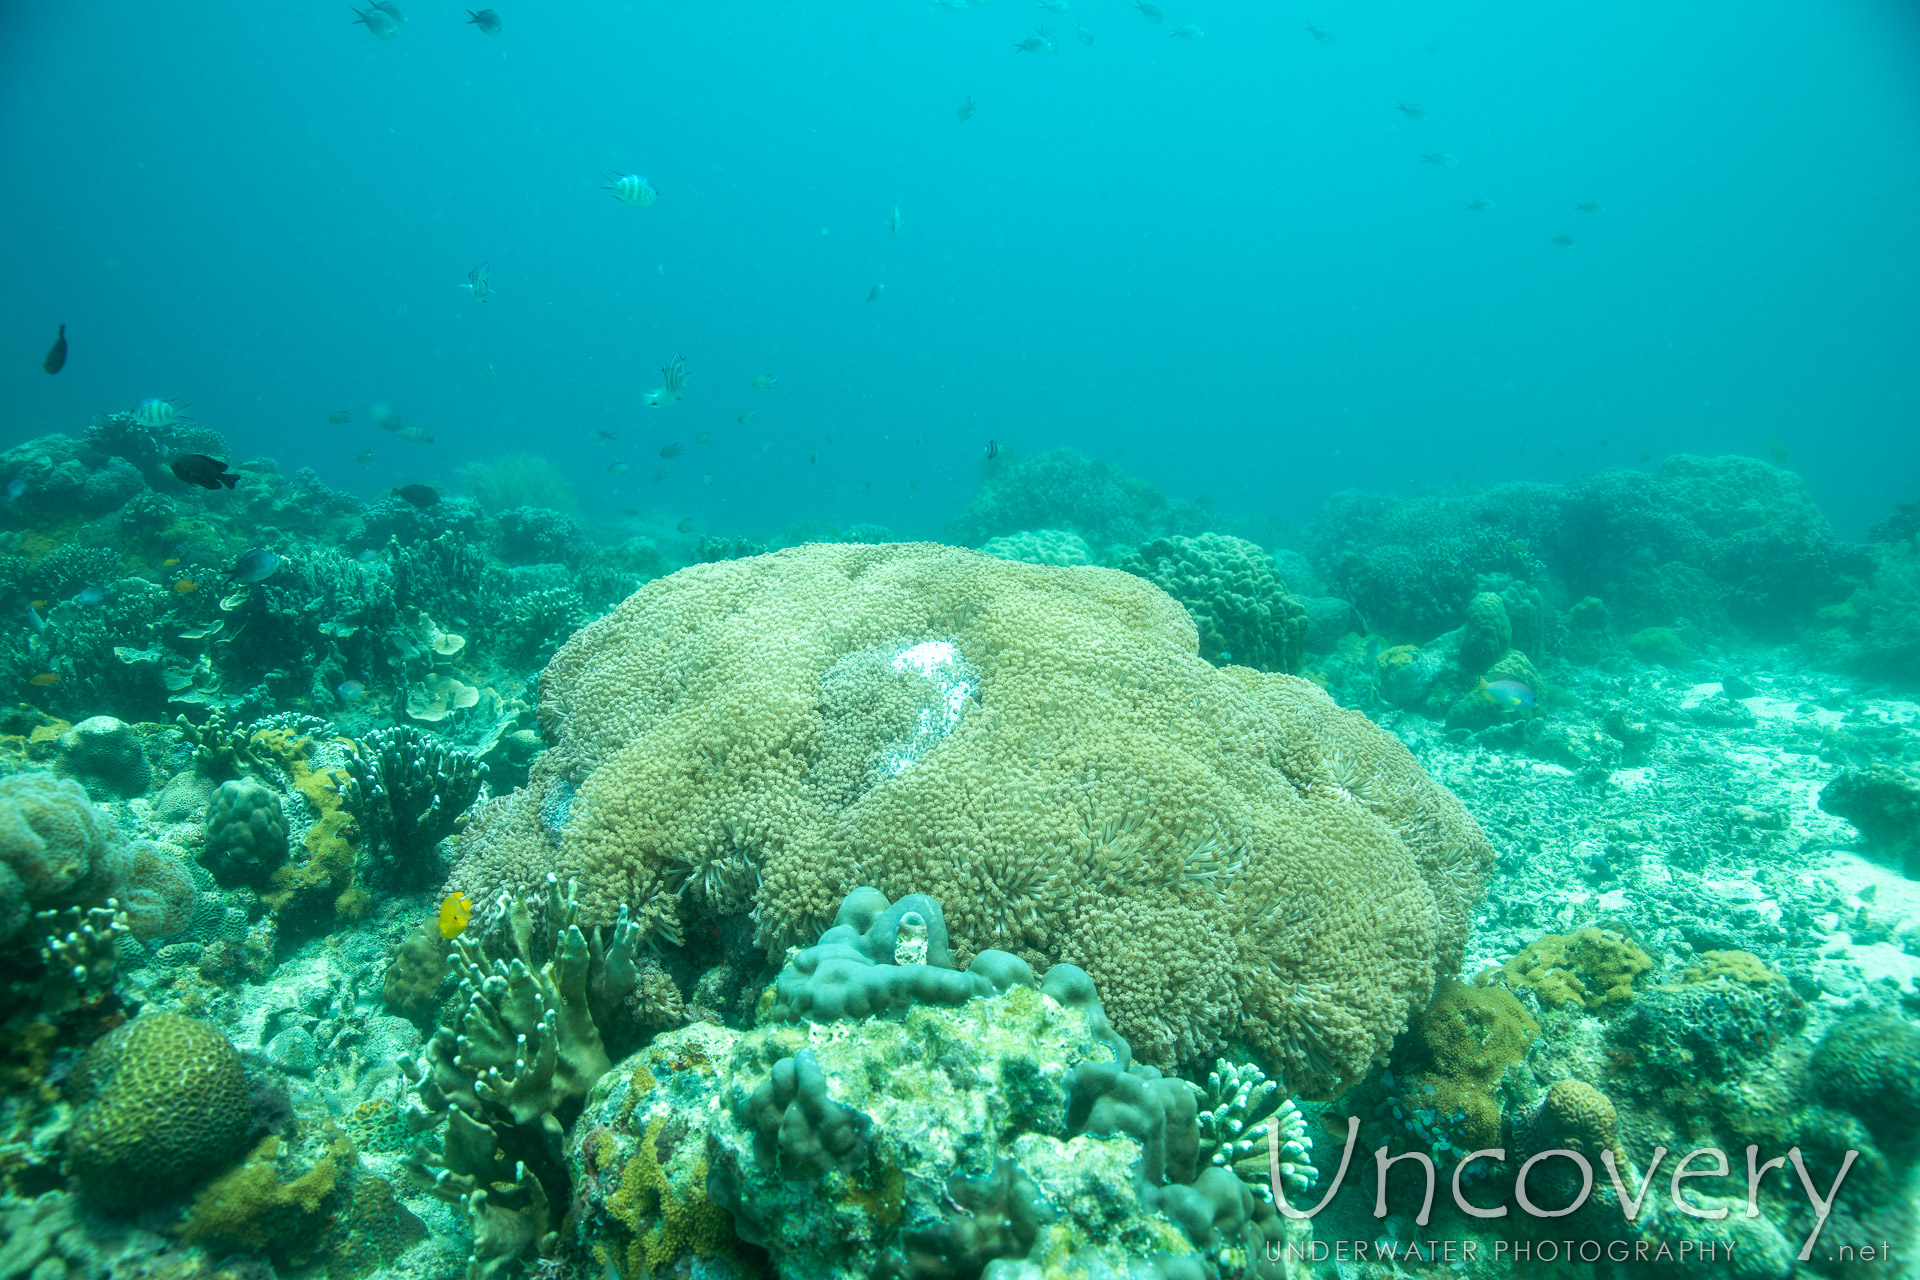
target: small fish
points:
(873, 294)
(384, 417)
(169, 562)
(1086, 36)
(455, 910)
(391, 9)
(479, 283)
(39, 604)
(420, 495)
(685, 526)
(377, 21)
(670, 450)
(45, 679)
(1778, 451)
(1411, 110)
(1323, 36)
(631, 188)
(350, 691)
(414, 435)
(340, 417)
(90, 595)
(746, 416)
(1477, 206)
(363, 457)
(1038, 42)
(1507, 692)
(153, 412)
(486, 19)
(185, 586)
(207, 473)
(964, 111)
(1188, 32)
(992, 450)
(33, 616)
(57, 353)
(659, 474)
(1587, 206)
(893, 221)
(813, 458)
(1565, 242)
(629, 511)
(1440, 160)
(256, 565)
(618, 468)
(673, 383)
(761, 381)
(603, 435)
(703, 437)
(1148, 12)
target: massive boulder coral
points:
(1236, 860)
(1234, 594)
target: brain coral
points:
(1234, 595)
(162, 1102)
(57, 843)
(1230, 855)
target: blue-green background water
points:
(1219, 262)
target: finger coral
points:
(1228, 853)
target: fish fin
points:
(228, 479)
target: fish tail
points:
(229, 479)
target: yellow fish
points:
(169, 562)
(455, 910)
(185, 586)
(45, 678)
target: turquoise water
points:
(1220, 262)
(967, 641)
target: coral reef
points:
(246, 832)
(996, 1119)
(1220, 849)
(1234, 595)
(1067, 491)
(1595, 968)
(161, 1102)
(408, 792)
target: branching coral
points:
(1098, 794)
(516, 1055)
(408, 792)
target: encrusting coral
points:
(1227, 852)
(894, 1116)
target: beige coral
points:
(1228, 853)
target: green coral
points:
(1227, 852)
(269, 1204)
(1457, 1050)
(408, 792)
(246, 832)
(161, 1103)
(1233, 592)
(1869, 1063)
(1595, 968)
(1659, 646)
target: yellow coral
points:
(1732, 966)
(1462, 1044)
(667, 1221)
(254, 1207)
(1225, 851)
(1594, 967)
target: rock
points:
(293, 1051)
